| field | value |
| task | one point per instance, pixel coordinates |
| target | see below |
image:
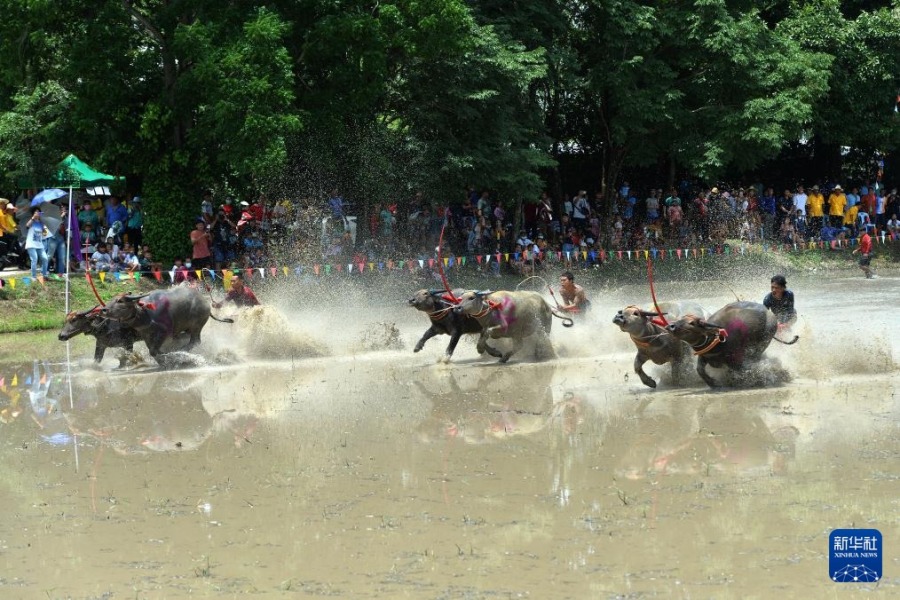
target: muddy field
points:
(310, 453)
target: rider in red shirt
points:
(239, 294)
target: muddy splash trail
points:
(307, 452)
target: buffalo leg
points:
(99, 351)
(517, 343)
(639, 361)
(195, 339)
(454, 340)
(483, 347)
(430, 333)
(701, 370)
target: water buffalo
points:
(439, 307)
(514, 315)
(109, 333)
(653, 342)
(735, 337)
(162, 315)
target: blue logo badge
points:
(854, 555)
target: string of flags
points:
(589, 257)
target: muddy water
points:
(332, 468)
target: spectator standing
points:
(484, 205)
(581, 211)
(652, 203)
(116, 213)
(784, 210)
(335, 203)
(800, 199)
(815, 208)
(701, 213)
(135, 224)
(853, 197)
(88, 216)
(837, 202)
(224, 239)
(767, 206)
(880, 205)
(34, 243)
(200, 240)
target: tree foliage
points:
(380, 98)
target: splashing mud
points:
(264, 332)
(381, 336)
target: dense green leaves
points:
(380, 98)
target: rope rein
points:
(717, 339)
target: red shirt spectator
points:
(865, 243)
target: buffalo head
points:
(79, 322)
(125, 307)
(472, 302)
(425, 300)
(693, 329)
(632, 319)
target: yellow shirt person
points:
(850, 215)
(815, 203)
(837, 202)
(7, 221)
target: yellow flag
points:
(12, 283)
(646, 254)
(226, 276)
(285, 269)
(102, 276)
(15, 380)
(199, 274)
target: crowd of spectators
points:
(258, 234)
(248, 235)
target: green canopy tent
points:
(72, 172)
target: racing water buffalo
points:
(653, 341)
(514, 315)
(444, 320)
(109, 333)
(735, 337)
(162, 315)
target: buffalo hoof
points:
(443, 360)
(417, 349)
(505, 358)
(648, 382)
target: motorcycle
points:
(13, 254)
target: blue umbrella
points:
(47, 196)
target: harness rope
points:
(718, 338)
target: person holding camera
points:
(34, 243)
(224, 239)
(201, 256)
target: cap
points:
(245, 203)
(590, 241)
(815, 188)
(838, 187)
(715, 190)
(136, 199)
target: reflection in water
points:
(382, 474)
